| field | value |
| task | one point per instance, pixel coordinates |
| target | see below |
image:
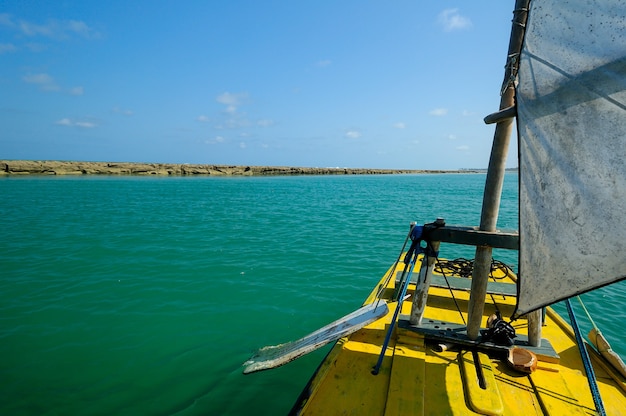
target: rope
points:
(588, 315)
(463, 263)
(598, 332)
(408, 265)
(458, 267)
(463, 268)
(591, 377)
(382, 288)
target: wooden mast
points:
(495, 173)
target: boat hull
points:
(420, 376)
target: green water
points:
(128, 296)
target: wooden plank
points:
(276, 355)
(453, 333)
(493, 288)
(462, 283)
(479, 383)
(553, 389)
(474, 237)
(406, 385)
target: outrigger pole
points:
(276, 355)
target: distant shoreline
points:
(50, 167)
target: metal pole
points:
(407, 279)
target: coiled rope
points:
(463, 268)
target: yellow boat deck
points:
(416, 379)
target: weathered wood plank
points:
(474, 237)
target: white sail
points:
(571, 101)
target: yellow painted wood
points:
(516, 391)
(485, 398)
(416, 380)
(443, 387)
(348, 383)
(556, 395)
(406, 386)
(599, 361)
(318, 378)
(610, 371)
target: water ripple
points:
(145, 295)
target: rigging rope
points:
(463, 267)
(588, 315)
(602, 344)
(409, 264)
(382, 288)
(441, 270)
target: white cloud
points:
(463, 148)
(232, 117)
(80, 28)
(216, 140)
(7, 20)
(451, 137)
(323, 63)
(353, 134)
(451, 20)
(38, 79)
(45, 81)
(77, 91)
(118, 110)
(265, 123)
(7, 47)
(64, 122)
(230, 99)
(32, 29)
(85, 124)
(54, 29)
(71, 123)
(234, 120)
(438, 112)
(35, 47)
(202, 119)
(467, 113)
(399, 125)
(242, 145)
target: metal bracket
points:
(447, 332)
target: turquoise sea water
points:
(128, 296)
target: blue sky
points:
(381, 84)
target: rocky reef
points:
(36, 167)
